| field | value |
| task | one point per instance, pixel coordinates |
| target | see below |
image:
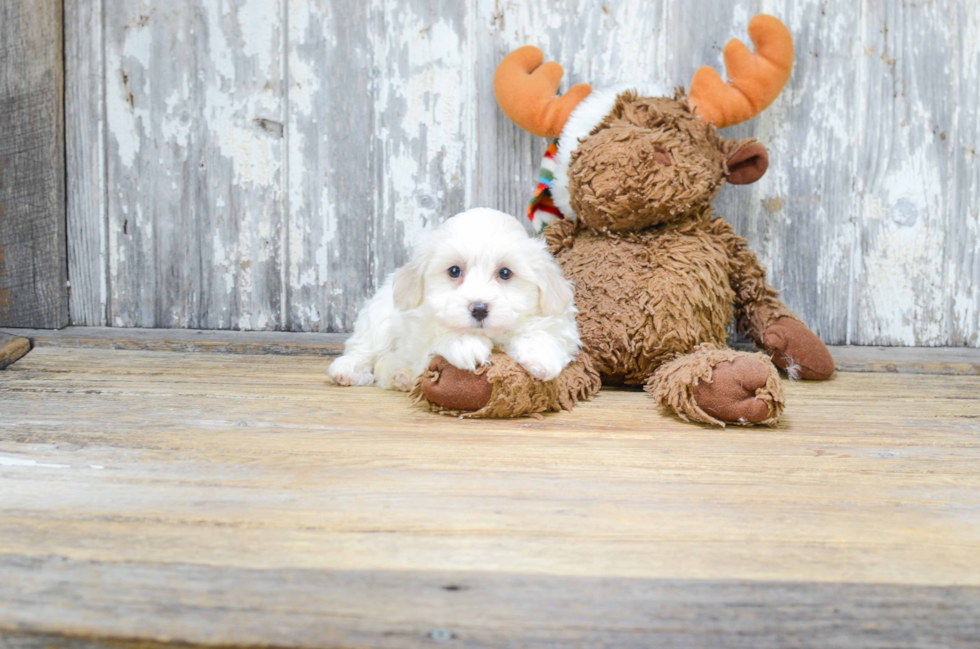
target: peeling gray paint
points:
(269, 161)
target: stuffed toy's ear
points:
(748, 163)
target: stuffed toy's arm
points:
(757, 305)
(761, 315)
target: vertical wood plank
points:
(903, 174)
(194, 110)
(85, 155)
(334, 166)
(963, 226)
(33, 266)
(378, 144)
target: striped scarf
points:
(542, 210)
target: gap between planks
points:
(849, 358)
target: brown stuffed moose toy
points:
(624, 203)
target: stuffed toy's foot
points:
(797, 350)
(453, 389)
(720, 386)
(502, 388)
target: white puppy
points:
(477, 282)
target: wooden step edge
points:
(960, 361)
(188, 340)
(27, 639)
(12, 349)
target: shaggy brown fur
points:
(716, 385)
(515, 393)
(659, 278)
(617, 181)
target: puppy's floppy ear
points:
(555, 292)
(409, 284)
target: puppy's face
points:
(480, 287)
(480, 273)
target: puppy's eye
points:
(505, 274)
(455, 272)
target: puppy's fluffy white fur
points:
(422, 311)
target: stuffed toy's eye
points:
(505, 274)
(455, 272)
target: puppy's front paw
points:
(402, 381)
(348, 370)
(540, 356)
(466, 352)
(542, 369)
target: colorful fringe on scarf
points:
(541, 210)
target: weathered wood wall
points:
(262, 164)
(33, 267)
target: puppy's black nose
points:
(479, 311)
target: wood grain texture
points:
(868, 218)
(33, 265)
(268, 508)
(907, 360)
(963, 224)
(339, 608)
(335, 162)
(86, 159)
(903, 124)
(12, 349)
(194, 106)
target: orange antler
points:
(526, 92)
(755, 80)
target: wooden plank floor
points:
(239, 500)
